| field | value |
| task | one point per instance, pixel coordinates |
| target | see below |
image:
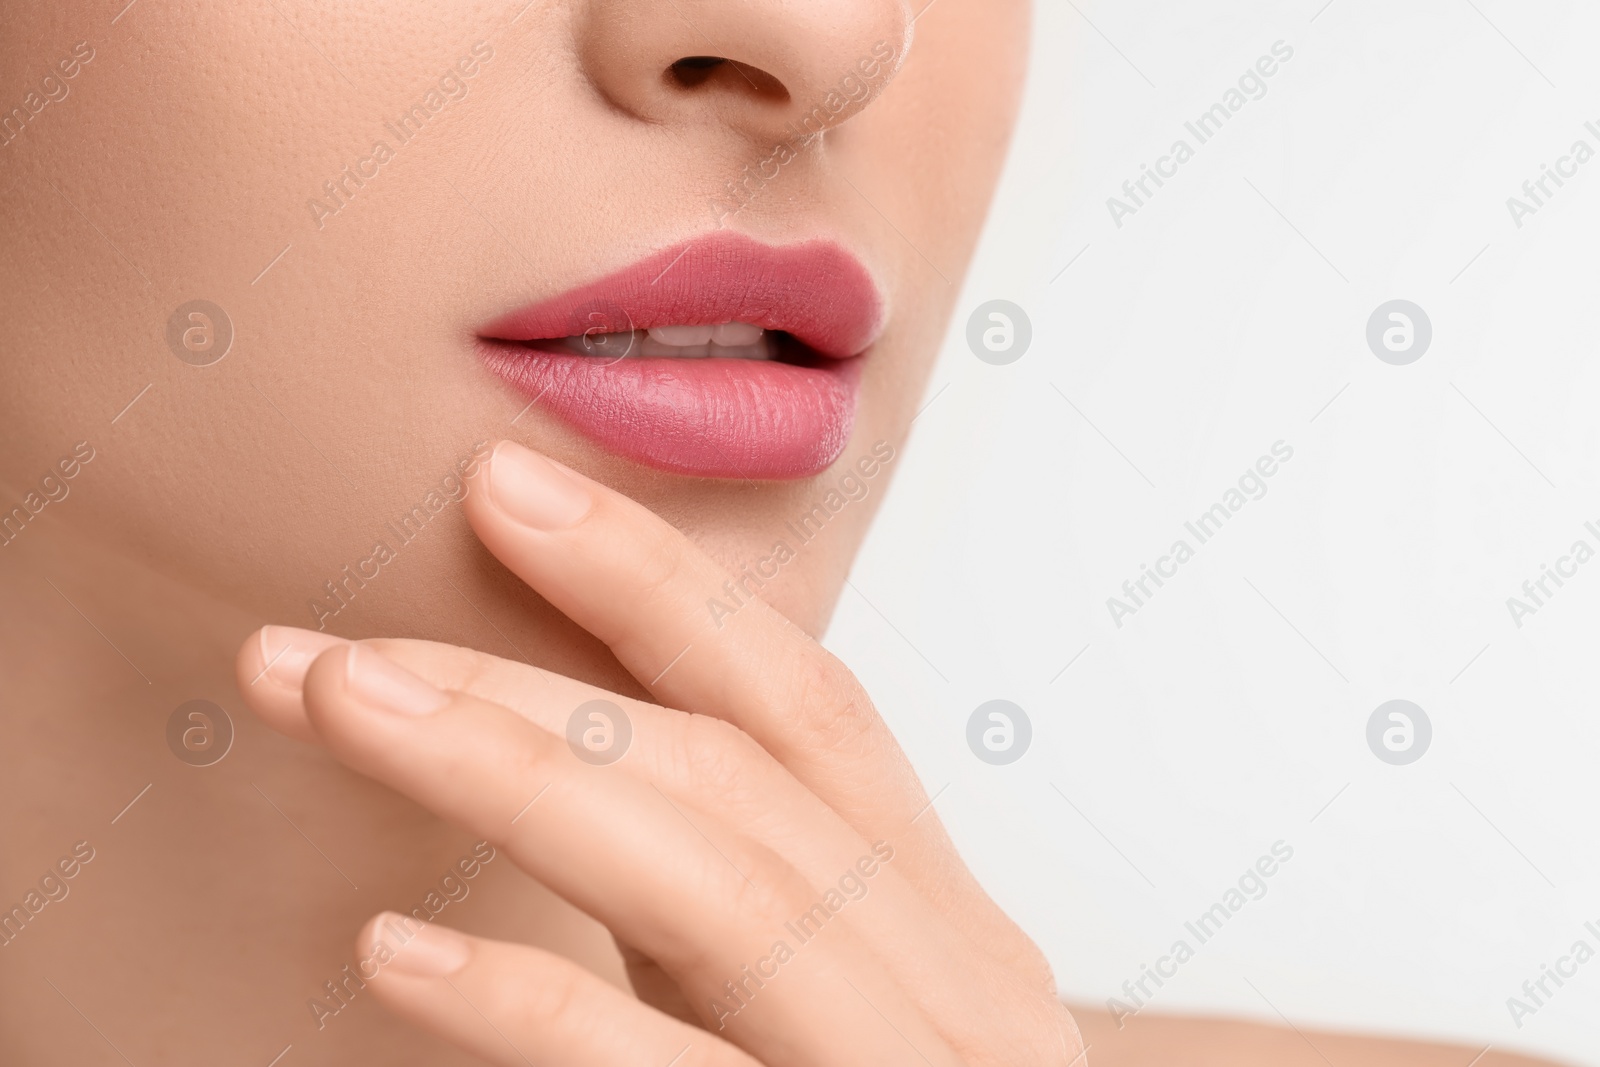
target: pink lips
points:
(711, 417)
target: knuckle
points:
(655, 565)
(718, 757)
(831, 704)
(763, 892)
(771, 892)
(751, 892)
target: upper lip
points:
(814, 290)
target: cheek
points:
(364, 334)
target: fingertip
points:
(324, 677)
(283, 654)
(367, 937)
(270, 669)
(400, 944)
(534, 491)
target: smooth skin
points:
(699, 845)
(758, 772)
(179, 162)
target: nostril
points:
(694, 72)
(691, 71)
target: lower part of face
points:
(345, 194)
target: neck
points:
(218, 902)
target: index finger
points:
(643, 588)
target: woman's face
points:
(393, 208)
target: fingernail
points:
(287, 652)
(534, 491)
(374, 680)
(432, 951)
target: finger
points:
(679, 625)
(703, 760)
(643, 588)
(516, 1006)
(269, 669)
(677, 884)
(711, 766)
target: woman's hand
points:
(784, 891)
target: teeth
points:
(724, 335)
(736, 334)
(727, 340)
(682, 336)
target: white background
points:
(1228, 713)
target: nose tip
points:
(773, 69)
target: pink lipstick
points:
(721, 357)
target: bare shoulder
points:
(1178, 1041)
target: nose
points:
(772, 69)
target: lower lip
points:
(712, 418)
